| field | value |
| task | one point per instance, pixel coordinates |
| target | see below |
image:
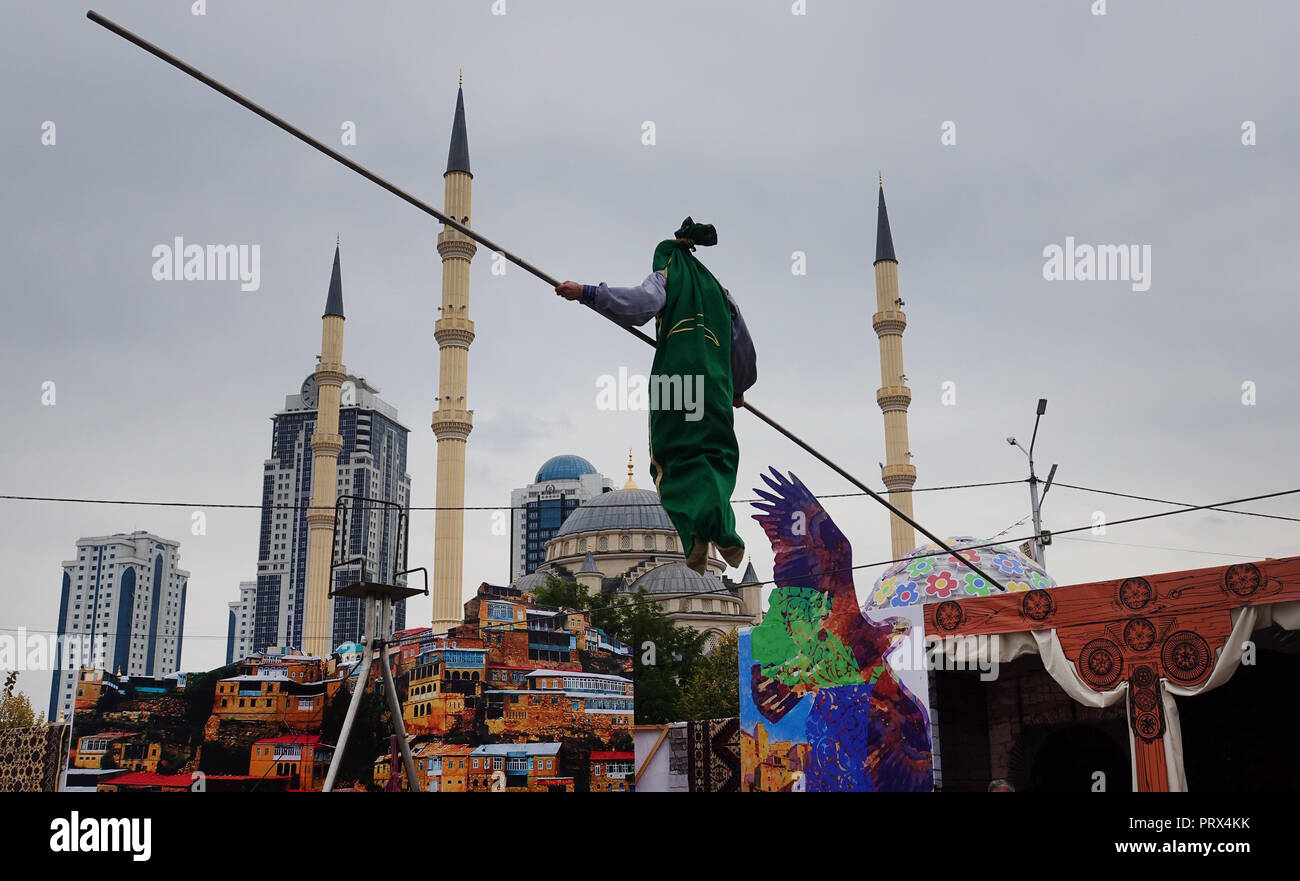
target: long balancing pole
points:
(492, 246)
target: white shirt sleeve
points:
(629, 307)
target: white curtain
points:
(1010, 646)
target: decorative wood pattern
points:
(1137, 629)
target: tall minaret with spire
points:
(326, 444)
(893, 396)
(453, 420)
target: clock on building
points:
(309, 391)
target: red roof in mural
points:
(145, 778)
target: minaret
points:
(453, 420)
(893, 396)
(317, 628)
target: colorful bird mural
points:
(865, 730)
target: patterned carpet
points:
(713, 755)
(31, 758)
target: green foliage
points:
(713, 690)
(572, 595)
(557, 592)
(663, 655)
(16, 707)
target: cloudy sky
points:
(1125, 128)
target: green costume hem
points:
(693, 452)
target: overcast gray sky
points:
(1117, 129)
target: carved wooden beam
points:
(1139, 630)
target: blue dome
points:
(564, 468)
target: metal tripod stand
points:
(379, 598)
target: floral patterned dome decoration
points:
(940, 576)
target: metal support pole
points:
(395, 705)
(1033, 488)
(362, 678)
(1038, 523)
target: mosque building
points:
(623, 541)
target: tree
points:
(713, 690)
(16, 708)
(557, 592)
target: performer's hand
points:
(570, 290)
(738, 401)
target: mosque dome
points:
(619, 509)
(532, 581)
(675, 578)
(930, 575)
(564, 467)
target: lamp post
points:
(1040, 538)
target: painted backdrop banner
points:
(831, 698)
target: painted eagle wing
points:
(810, 550)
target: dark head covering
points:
(688, 235)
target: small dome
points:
(673, 578)
(620, 509)
(929, 575)
(350, 648)
(530, 582)
(564, 468)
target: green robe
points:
(693, 462)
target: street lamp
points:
(1040, 538)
